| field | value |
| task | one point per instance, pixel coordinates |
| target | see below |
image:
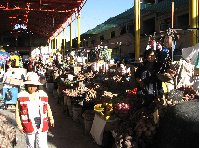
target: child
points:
(33, 112)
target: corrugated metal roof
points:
(42, 17)
(127, 16)
(165, 6)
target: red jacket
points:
(24, 115)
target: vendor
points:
(149, 86)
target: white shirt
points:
(34, 108)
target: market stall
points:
(4, 56)
(12, 78)
(12, 83)
(105, 98)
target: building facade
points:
(118, 32)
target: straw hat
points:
(32, 78)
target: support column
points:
(70, 35)
(79, 33)
(64, 43)
(137, 29)
(193, 20)
(172, 26)
(172, 14)
(59, 43)
(50, 46)
(56, 44)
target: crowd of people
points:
(32, 109)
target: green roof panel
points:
(127, 16)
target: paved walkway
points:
(65, 134)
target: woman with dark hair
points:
(149, 86)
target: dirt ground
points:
(65, 134)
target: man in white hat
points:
(33, 112)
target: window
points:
(112, 34)
(123, 30)
(149, 26)
(130, 28)
(101, 38)
(86, 43)
(165, 25)
(183, 21)
(93, 42)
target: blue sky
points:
(96, 12)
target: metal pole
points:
(59, 43)
(193, 20)
(172, 14)
(70, 35)
(120, 50)
(49, 49)
(79, 37)
(172, 30)
(64, 43)
(137, 29)
(51, 46)
(56, 44)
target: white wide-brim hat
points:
(32, 78)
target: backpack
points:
(8, 95)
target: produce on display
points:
(114, 95)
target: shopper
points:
(150, 86)
(33, 112)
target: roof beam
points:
(50, 6)
(43, 10)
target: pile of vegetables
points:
(104, 109)
(188, 93)
(7, 133)
(90, 94)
